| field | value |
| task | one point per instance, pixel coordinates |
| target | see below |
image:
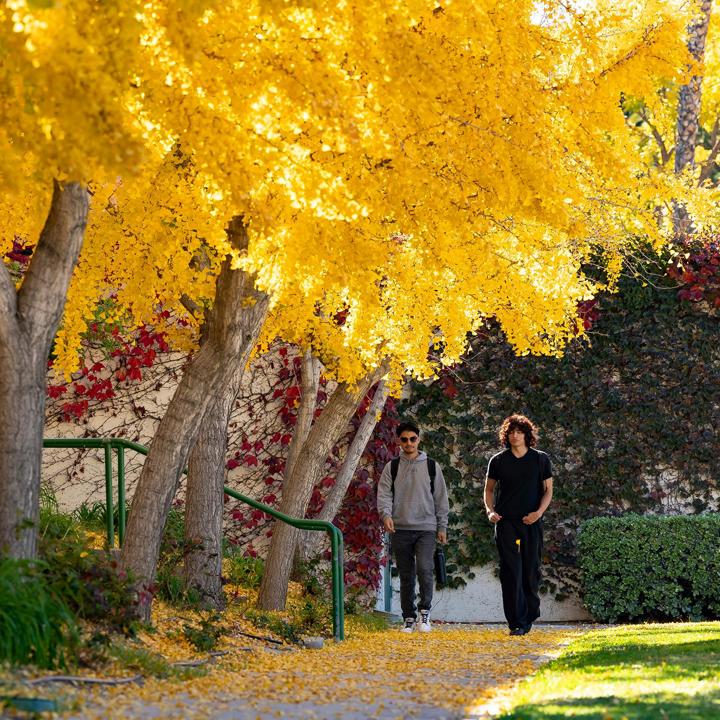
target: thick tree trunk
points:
(233, 328)
(312, 542)
(28, 323)
(298, 487)
(204, 501)
(688, 114)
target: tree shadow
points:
(666, 659)
(653, 706)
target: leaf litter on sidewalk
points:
(452, 669)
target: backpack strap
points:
(395, 464)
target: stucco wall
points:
(480, 601)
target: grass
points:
(632, 672)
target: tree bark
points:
(204, 501)
(298, 487)
(312, 542)
(28, 322)
(233, 327)
(689, 100)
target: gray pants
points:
(413, 551)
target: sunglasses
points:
(412, 439)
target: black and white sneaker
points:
(409, 625)
(424, 625)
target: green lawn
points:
(663, 671)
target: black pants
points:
(413, 551)
(520, 550)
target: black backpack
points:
(395, 464)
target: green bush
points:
(651, 567)
(36, 624)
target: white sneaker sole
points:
(424, 628)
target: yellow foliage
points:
(416, 168)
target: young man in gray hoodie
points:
(413, 505)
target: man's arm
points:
(533, 517)
(489, 498)
(385, 500)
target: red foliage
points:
(98, 381)
(698, 274)
(589, 312)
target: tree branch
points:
(709, 164)
(352, 457)
(306, 412)
(665, 154)
(42, 295)
(8, 307)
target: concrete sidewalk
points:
(454, 672)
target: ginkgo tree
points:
(419, 168)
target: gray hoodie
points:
(415, 507)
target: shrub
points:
(36, 624)
(88, 580)
(651, 567)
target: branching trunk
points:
(312, 542)
(28, 322)
(233, 328)
(689, 99)
(298, 487)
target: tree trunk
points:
(312, 542)
(28, 323)
(689, 100)
(298, 487)
(233, 328)
(204, 501)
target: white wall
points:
(480, 601)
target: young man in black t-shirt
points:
(518, 490)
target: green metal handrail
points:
(120, 444)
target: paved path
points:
(452, 673)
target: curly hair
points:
(519, 422)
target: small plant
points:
(54, 524)
(204, 634)
(141, 660)
(36, 624)
(245, 571)
(313, 617)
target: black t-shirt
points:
(519, 481)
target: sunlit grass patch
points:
(633, 672)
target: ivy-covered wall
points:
(629, 420)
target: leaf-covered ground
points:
(452, 672)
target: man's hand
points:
(389, 524)
(494, 518)
(442, 536)
(532, 517)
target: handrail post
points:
(338, 585)
(110, 520)
(120, 449)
